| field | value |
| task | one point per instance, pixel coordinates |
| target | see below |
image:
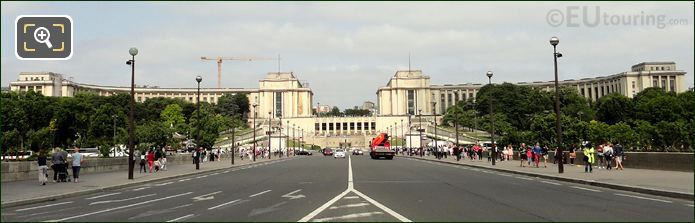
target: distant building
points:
(323, 108)
(408, 92)
(368, 105)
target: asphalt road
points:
(357, 189)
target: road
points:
(357, 189)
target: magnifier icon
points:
(42, 35)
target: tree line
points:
(653, 120)
(31, 121)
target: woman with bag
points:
(43, 168)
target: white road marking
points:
(524, 178)
(549, 182)
(348, 190)
(182, 180)
(345, 217)
(213, 174)
(201, 176)
(645, 198)
(260, 193)
(121, 207)
(100, 196)
(37, 207)
(179, 218)
(689, 205)
(127, 199)
(223, 204)
(292, 197)
(349, 205)
(226, 171)
(351, 197)
(162, 184)
(177, 207)
(205, 197)
(504, 174)
(382, 207)
(142, 188)
(584, 188)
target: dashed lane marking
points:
(584, 188)
(139, 189)
(100, 196)
(689, 205)
(127, 199)
(263, 192)
(524, 178)
(121, 207)
(549, 182)
(644, 198)
(43, 206)
(351, 197)
(181, 218)
(223, 204)
(182, 180)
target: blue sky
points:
(346, 50)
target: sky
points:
(347, 50)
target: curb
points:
(118, 186)
(644, 190)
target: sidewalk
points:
(29, 191)
(658, 182)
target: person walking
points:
(143, 162)
(43, 168)
(196, 157)
(163, 161)
(573, 154)
(599, 154)
(522, 154)
(588, 157)
(544, 155)
(608, 155)
(77, 160)
(537, 154)
(57, 162)
(150, 160)
(618, 153)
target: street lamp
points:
(395, 133)
(493, 147)
(422, 149)
(197, 135)
(254, 131)
(554, 41)
(434, 112)
(294, 139)
(270, 132)
(131, 114)
(288, 138)
(114, 135)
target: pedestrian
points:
(544, 155)
(43, 168)
(163, 161)
(599, 154)
(57, 164)
(588, 157)
(522, 154)
(618, 153)
(537, 154)
(608, 155)
(150, 160)
(196, 157)
(77, 160)
(143, 162)
(573, 154)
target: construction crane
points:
(219, 64)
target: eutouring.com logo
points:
(592, 16)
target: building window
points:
(411, 102)
(330, 126)
(583, 92)
(352, 126)
(323, 126)
(456, 97)
(316, 126)
(442, 106)
(139, 99)
(278, 104)
(596, 92)
(449, 100)
(373, 125)
(470, 95)
(672, 84)
(663, 84)
(359, 126)
(344, 126)
(655, 82)
(602, 93)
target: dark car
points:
(304, 153)
(357, 152)
(327, 152)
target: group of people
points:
(607, 155)
(153, 159)
(59, 164)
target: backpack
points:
(544, 151)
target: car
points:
(357, 152)
(304, 153)
(339, 153)
(327, 152)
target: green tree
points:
(231, 105)
(335, 111)
(598, 132)
(622, 133)
(614, 108)
(172, 116)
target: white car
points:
(339, 153)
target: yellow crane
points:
(219, 64)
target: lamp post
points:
(270, 133)
(434, 112)
(395, 132)
(114, 135)
(492, 122)
(410, 140)
(294, 138)
(253, 151)
(558, 131)
(280, 134)
(419, 129)
(402, 135)
(288, 138)
(131, 114)
(197, 135)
